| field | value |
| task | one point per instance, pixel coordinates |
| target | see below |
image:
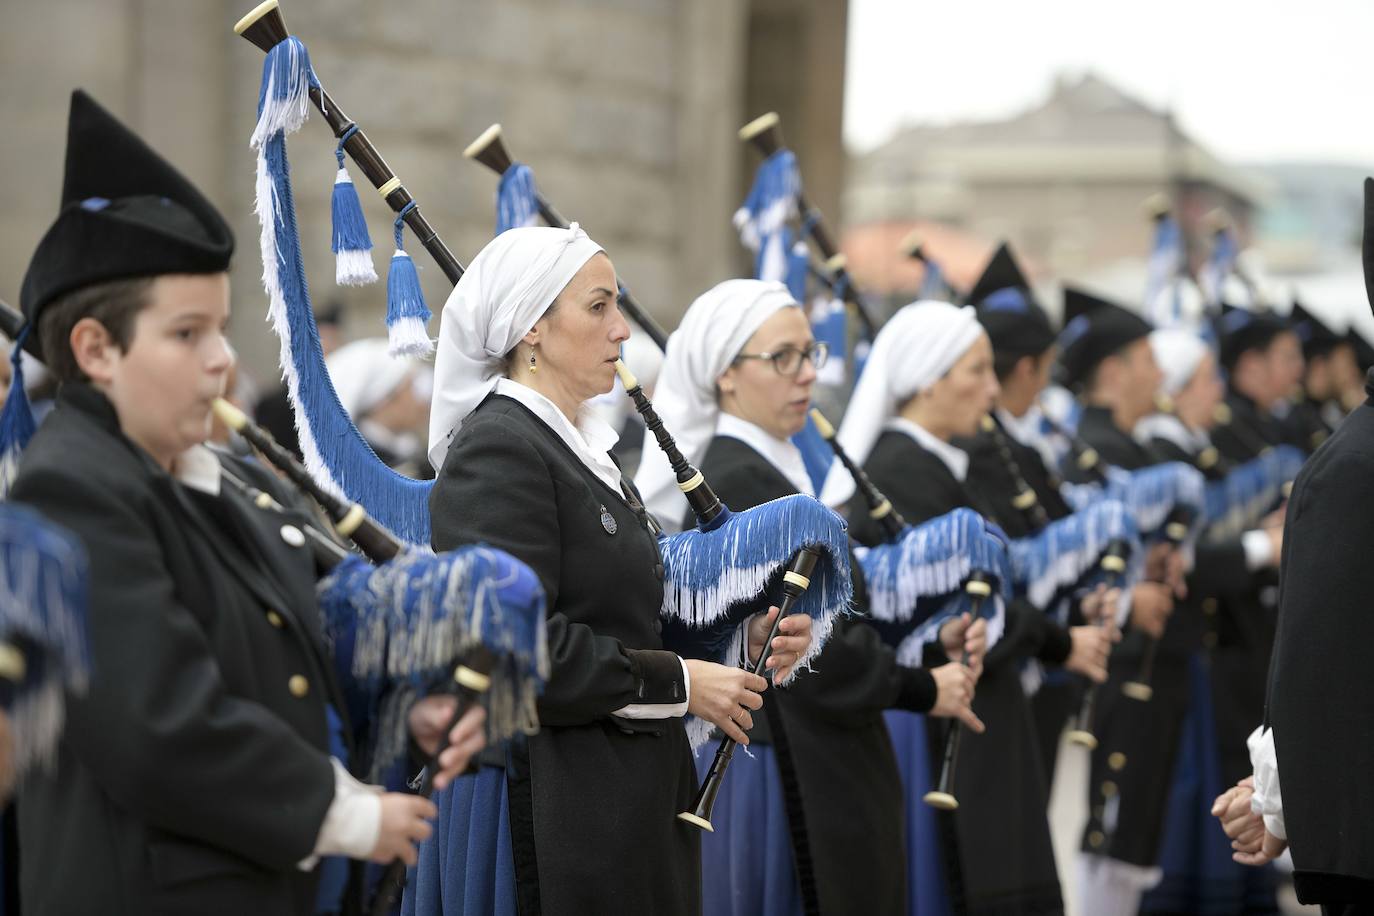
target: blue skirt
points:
(1199, 874)
(746, 864)
(926, 893)
(466, 867)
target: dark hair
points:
(114, 304)
(1004, 363)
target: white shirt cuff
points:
(661, 710)
(1267, 800)
(1259, 551)
(352, 823)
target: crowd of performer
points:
(1032, 539)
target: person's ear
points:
(94, 350)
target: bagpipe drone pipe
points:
(724, 564)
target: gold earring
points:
(533, 366)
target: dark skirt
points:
(1199, 875)
(466, 866)
(746, 863)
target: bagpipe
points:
(928, 562)
(715, 576)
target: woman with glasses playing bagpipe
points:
(928, 380)
(814, 821)
(215, 755)
(530, 334)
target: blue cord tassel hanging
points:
(406, 311)
(16, 420)
(517, 202)
(352, 245)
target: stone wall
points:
(625, 109)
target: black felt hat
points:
(1317, 337)
(1094, 329)
(125, 212)
(1007, 310)
(1241, 330)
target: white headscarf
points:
(1178, 353)
(365, 376)
(912, 352)
(712, 333)
(505, 291)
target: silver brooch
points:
(608, 521)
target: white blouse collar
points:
(1171, 429)
(199, 469)
(591, 440)
(955, 458)
(780, 453)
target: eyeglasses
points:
(788, 360)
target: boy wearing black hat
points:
(201, 772)
(1327, 357)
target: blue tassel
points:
(46, 580)
(915, 583)
(335, 452)
(762, 220)
(398, 628)
(517, 200)
(1150, 494)
(406, 311)
(351, 243)
(16, 420)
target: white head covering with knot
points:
(912, 352)
(507, 288)
(1178, 353)
(712, 333)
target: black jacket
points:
(192, 777)
(593, 798)
(1320, 704)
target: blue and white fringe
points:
(1150, 494)
(44, 582)
(1238, 502)
(1063, 553)
(708, 574)
(917, 582)
(350, 468)
(399, 627)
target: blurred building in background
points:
(1064, 182)
(625, 109)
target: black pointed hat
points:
(1094, 329)
(1007, 310)
(1316, 335)
(125, 212)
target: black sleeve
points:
(494, 488)
(157, 729)
(1219, 568)
(1056, 644)
(1020, 639)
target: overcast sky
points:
(1255, 81)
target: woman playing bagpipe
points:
(735, 386)
(530, 333)
(1198, 874)
(204, 768)
(929, 379)
(1011, 473)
